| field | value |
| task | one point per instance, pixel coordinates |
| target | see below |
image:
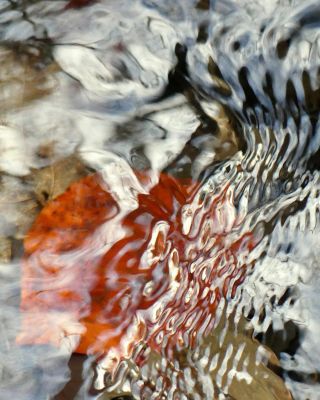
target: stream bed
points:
(160, 198)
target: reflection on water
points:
(159, 199)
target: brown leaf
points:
(20, 198)
(21, 82)
(241, 368)
(5, 250)
(53, 180)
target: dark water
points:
(202, 120)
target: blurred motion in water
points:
(160, 199)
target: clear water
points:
(222, 99)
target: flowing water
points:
(183, 262)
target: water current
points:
(159, 197)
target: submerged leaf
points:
(247, 374)
(49, 182)
(128, 276)
(21, 81)
(5, 249)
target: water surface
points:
(199, 121)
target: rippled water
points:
(183, 260)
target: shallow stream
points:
(184, 260)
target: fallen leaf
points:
(20, 197)
(49, 182)
(120, 271)
(21, 79)
(5, 250)
(247, 374)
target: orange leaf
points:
(114, 280)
